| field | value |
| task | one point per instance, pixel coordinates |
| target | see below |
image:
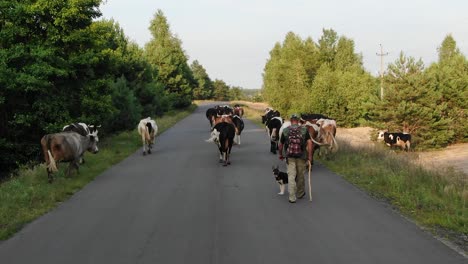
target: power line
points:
(381, 54)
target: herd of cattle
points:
(77, 138)
(226, 126)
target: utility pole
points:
(381, 54)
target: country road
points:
(179, 205)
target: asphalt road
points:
(179, 205)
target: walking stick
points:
(310, 187)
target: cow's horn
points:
(320, 144)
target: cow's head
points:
(380, 135)
(93, 141)
(93, 132)
(214, 137)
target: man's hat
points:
(294, 116)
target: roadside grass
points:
(28, 195)
(435, 199)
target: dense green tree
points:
(448, 49)
(128, 109)
(327, 46)
(235, 93)
(449, 78)
(204, 88)
(46, 58)
(165, 52)
(221, 90)
(410, 102)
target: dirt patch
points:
(455, 156)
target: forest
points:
(61, 63)
(327, 76)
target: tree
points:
(235, 93)
(413, 104)
(204, 88)
(47, 56)
(128, 109)
(449, 78)
(327, 46)
(221, 90)
(448, 49)
(165, 52)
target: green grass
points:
(28, 195)
(434, 199)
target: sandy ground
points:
(455, 156)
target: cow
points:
(224, 110)
(148, 130)
(312, 118)
(239, 125)
(269, 115)
(238, 110)
(66, 147)
(322, 131)
(328, 134)
(273, 128)
(225, 118)
(402, 140)
(210, 113)
(84, 130)
(223, 136)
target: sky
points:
(232, 38)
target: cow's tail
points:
(147, 134)
(335, 143)
(52, 164)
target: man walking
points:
(297, 147)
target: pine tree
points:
(204, 88)
(165, 52)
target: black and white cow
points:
(210, 114)
(223, 136)
(84, 130)
(239, 124)
(273, 127)
(402, 140)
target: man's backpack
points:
(295, 142)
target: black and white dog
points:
(281, 178)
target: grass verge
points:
(28, 195)
(436, 200)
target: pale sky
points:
(232, 38)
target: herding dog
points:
(281, 178)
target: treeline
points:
(328, 77)
(59, 65)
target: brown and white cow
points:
(148, 130)
(238, 110)
(322, 131)
(66, 147)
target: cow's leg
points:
(273, 147)
(149, 148)
(70, 165)
(76, 164)
(225, 159)
(238, 139)
(50, 177)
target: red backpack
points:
(295, 142)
